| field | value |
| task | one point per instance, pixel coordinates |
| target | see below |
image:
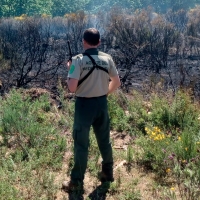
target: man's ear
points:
(84, 41)
(99, 43)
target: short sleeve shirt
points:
(97, 82)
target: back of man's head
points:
(91, 36)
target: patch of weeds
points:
(130, 192)
(130, 195)
(118, 118)
(8, 191)
(163, 192)
(114, 188)
(153, 150)
(130, 154)
(186, 145)
(36, 184)
(31, 149)
(129, 157)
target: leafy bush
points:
(118, 118)
(163, 137)
(31, 147)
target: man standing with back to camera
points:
(91, 107)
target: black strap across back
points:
(92, 69)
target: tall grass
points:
(167, 133)
(164, 132)
(31, 147)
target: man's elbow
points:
(118, 82)
(72, 89)
(72, 85)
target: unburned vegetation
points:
(156, 144)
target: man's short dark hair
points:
(91, 36)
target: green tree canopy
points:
(11, 8)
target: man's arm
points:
(72, 84)
(114, 84)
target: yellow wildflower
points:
(172, 188)
(156, 138)
(159, 137)
(153, 133)
(168, 170)
(157, 129)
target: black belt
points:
(91, 97)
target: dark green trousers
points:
(90, 112)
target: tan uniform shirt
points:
(97, 82)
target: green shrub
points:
(31, 147)
(118, 118)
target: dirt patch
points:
(135, 178)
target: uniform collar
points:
(92, 51)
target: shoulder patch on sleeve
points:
(72, 68)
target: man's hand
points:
(114, 84)
(69, 62)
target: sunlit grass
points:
(164, 138)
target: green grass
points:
(31, 149)
(164, 132)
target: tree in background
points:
(38, 7)
(11, 8)
(162, 6)
(62, 7)
(7, 8)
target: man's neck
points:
(87, 46)
(90, 47)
